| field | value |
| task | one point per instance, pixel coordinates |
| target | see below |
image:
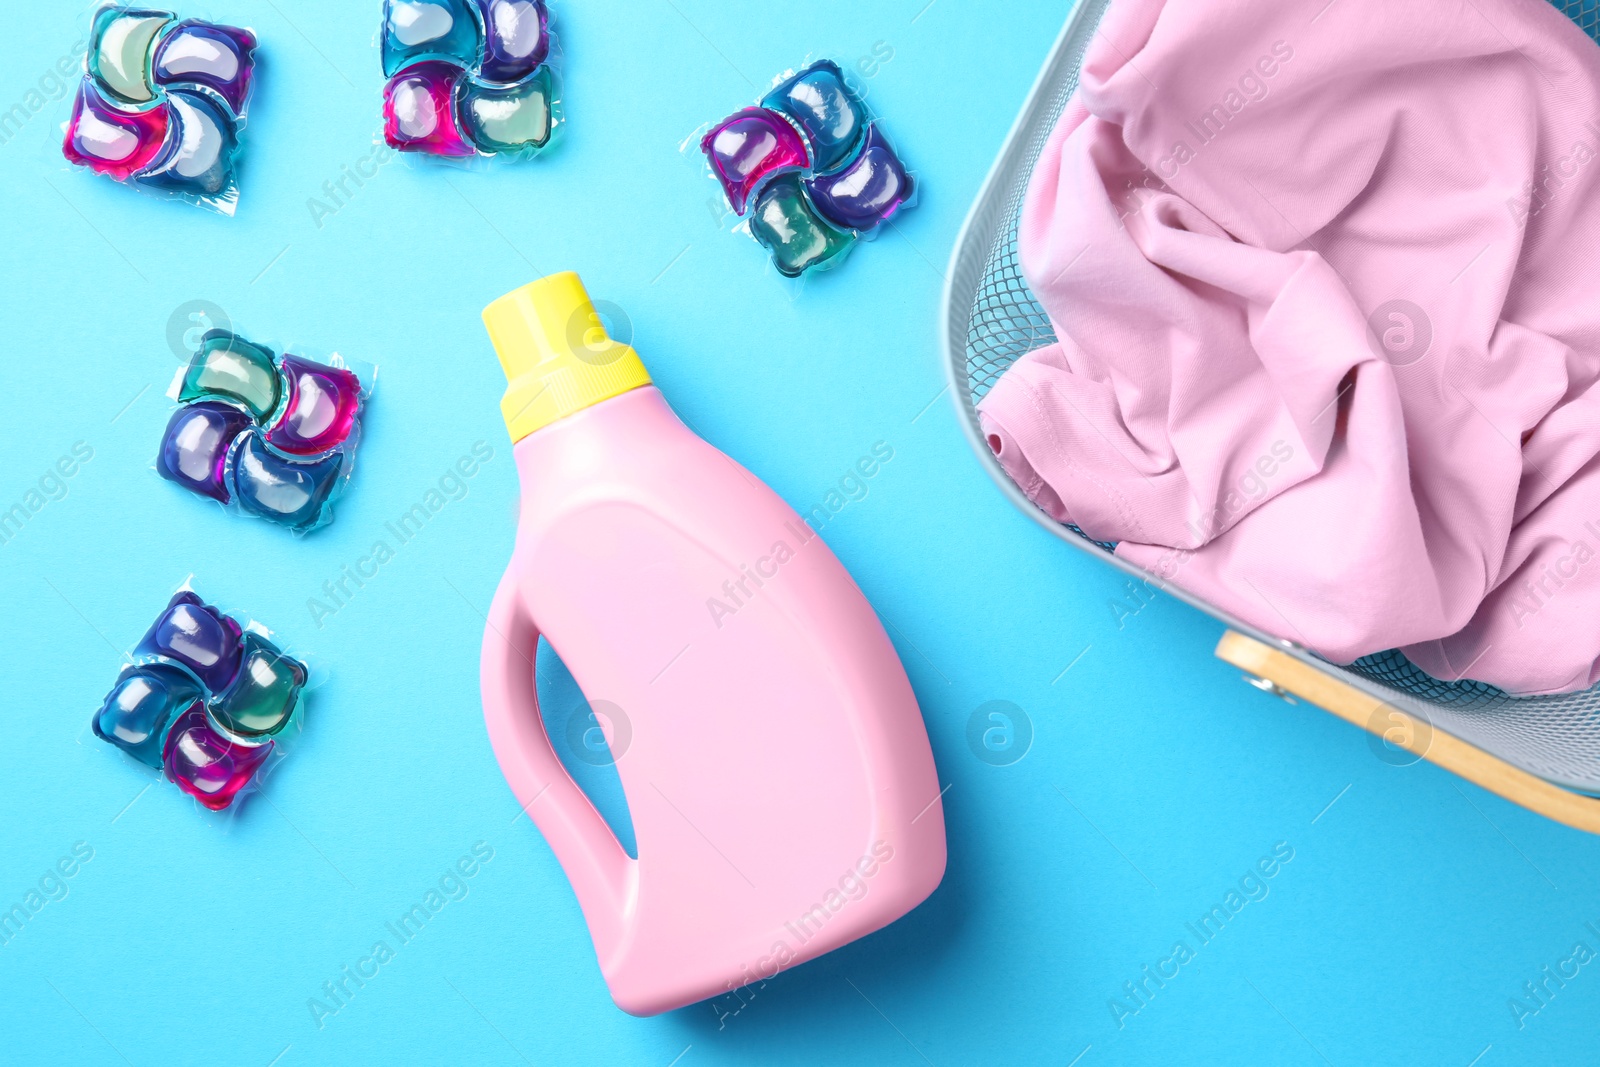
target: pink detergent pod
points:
(419, 112)
(777, 771)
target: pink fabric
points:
(1320, 334)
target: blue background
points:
(1414, 907)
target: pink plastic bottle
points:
(776, 767)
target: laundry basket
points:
(1540, 752)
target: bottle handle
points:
(601, 872)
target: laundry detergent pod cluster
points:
(206, 700)
(809, 170)
(468, 77)
(271, 435)
(162, 103)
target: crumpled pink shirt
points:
(1326, 278)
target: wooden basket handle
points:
(1398, 726)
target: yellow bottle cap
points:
(556, 354)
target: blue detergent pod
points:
(140, 707)
(429, 29)
(199, 156)
(288, 492)
(830, 114)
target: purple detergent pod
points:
(195, 636)
(516, 39)
(867, 191)
(215, 59)
(808, 171)
(265, 434)
(195, 447)
(208, 700)
(162, 104)
(469, 78)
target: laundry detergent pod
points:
(260, 700)
(747, 148)
(197, 637)
(209, 767)
(228, 367)
(195, 447)
(218, 60)
(207, 699)
(120, 42)
(829, 112)
(808, 170)
(866, 191)
(265, 434)
(112, 141)
(162, 104)
(414, 30)
(321, 410)
(469, 79)
(507, 118)
(144, 702)
(419, 110)
(287, 491)
(787, 226)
